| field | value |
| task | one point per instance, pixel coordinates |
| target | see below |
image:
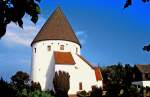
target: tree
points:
(39, 93)
(82, 94)
(35, 86)
(61, 83)
(20, 80)
(147, 48)
(6, 90)
(129, 2)
(128, 75)
(96, 92)
(36, 93)
(117, 79)
(14, 10)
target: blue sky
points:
(108, 33)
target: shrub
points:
(82, 94)
(96, 92)
(61, 83)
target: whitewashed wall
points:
(43, 67)
(80, 72)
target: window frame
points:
(34, 50)
(62, 47)
(49, 48)
(80, 86)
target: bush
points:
(82, 94)
(96, 92)
(61, 83)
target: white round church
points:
(56, 48)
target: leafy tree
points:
(20, 87)
(20, 78)
(96, 92)
(82, 94)
(132, 91)
(6, 89)
(129, 2)
(128, 75)
(20, 81)
(117, 78)
(61, 83)
(35, 86)
(36, 93)
(39, 93)
(14, 10)
(147, 48)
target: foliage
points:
(96, 92)
(35, 86)
(61, 83)
(132, 91)
(129, 2)
(82, 94)
(117, 79)
(147, 48)
(116, 87)
(20, 87)
(39, 93)
(36, 93)
(14, 10)
(5, 89)
(20, 80)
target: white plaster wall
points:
(80, 72)
(55, 45)
(43, 66)
(43, 63)
(142, 83)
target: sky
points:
(108, 33)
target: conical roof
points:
(56, 28)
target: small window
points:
(61, 47)
(80, 86)
(147, 76)
(49, 48)
(76, 67)
(76, 50)
(34, 50)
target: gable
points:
(97, 71)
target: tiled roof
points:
(98, 74)
(143, 68)
(56, 28)
(63, 58)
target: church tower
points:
(55, 35)
(56, 48)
